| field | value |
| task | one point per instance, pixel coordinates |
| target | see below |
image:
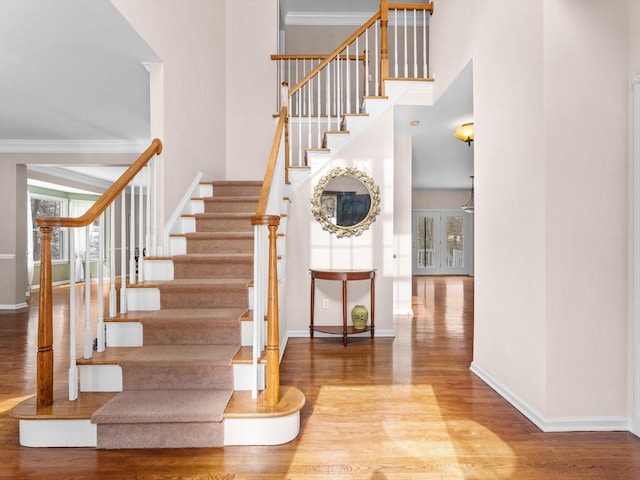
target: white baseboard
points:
(15, 306)
(305, 334)
(635, 426)
(553, 424)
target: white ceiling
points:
(72, 71)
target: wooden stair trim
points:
(397, 79)
(63, 408)
(242, 405)
(244, 356)
(111, 356)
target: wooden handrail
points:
(271, 166)
(108, 196)
(384, 5)
(313, 56)
(44, 360)
(412, 6)
(335, 53)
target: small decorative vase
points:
(359, 317)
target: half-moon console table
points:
(344, 276)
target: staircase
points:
(178, 361)
(177, 385)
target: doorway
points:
(442, 242)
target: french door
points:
(442, 242)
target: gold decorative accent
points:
(324, 201)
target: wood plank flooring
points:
(402, 408)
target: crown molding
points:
(73, 146)
(322, 18)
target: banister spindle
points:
(100, 297)
(73, 368)
(88, 337)
(44, 367)
(123, 251)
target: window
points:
(43, 206)
(77, 209)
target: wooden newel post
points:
(44, 367)
(271, 395)
(384, 45)
(272, 391)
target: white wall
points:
(189, 37)
(311, 247)
(587, 196)
(402, 293)
(551, 313)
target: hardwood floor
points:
(403, 408)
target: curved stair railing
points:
(138, 177)
(326, 88)
(265, 282)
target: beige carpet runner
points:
(176, 387)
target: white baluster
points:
(147, 238)
(123, 252)
(132, 235)
(154, 208)
(395, 47)
(406, 62)
(100, 296)
(140, 228)
(112, 261)
(328, 96)
(88, 340)
(318, 82)
(348, 84)
(357, 77)
(299, 126)
(415, 44)
(73, 368)
(366, 62)
(309, 86)
(425, 71)
(377, 61)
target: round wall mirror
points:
(345, 202)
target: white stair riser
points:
(246, 332)
(195, 206)
(100, 378)
(82, 433)
(158, 270)
(178, 245)
(261, 431)
(108, 378)
(58, 433)
(187, 224)
(243, 376)
(123, 334)
(205, 190)
(143, 299)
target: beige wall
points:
(251, 86)
(438, 199)
(551, 221)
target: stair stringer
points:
(398, 92)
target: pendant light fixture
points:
(468, 207)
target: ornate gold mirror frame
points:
(337, 209)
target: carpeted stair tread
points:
(176, 354)
(191, 314)
(163, 406)
(203, 283)
(220, 242)
(177, 367)
(213, 265)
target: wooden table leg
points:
(344, 313)
(313, 295)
